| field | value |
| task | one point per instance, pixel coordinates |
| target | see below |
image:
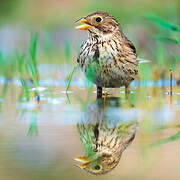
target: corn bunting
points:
(107, 57)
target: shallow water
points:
(39, 140)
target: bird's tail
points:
(140, 60)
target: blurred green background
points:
(55, 18)
(153, 26)
(60, 13)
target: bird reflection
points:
(105, 131)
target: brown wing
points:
(129, 56)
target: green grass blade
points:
(70, 78)
(33, 46)
(167, 39)
(167, 140)
(33, 63)
(25, 88)
(177, 58)
(33, 124)
(20, 61)
(163, 22)
(34, 76)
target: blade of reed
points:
(170, 139)
(167, 40)
(163, 23)
(70, 78)
(33, 124)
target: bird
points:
(107, 57)
(104, 136)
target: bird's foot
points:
(127, 92)
(99, 92)
(106, 94)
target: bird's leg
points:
(105, 94)
(127, 91)
(99, 92)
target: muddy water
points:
(39, 140)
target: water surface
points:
(40, 140)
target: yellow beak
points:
(84, 162)
(84, 26)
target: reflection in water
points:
(104, 135)
(33, 124)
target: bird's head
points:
(98, 166)
(99, 23)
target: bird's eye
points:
(98, 19)
(97, 167)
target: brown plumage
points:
(107, 57)
(104, 135)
